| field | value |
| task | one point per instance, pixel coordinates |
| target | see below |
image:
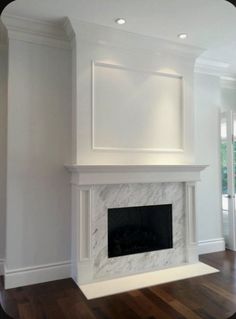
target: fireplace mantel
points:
(118, 174)
(96, 187)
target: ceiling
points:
(210, 24)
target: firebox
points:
(133, 230)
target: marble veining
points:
(128, 195)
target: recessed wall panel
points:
(136, 110)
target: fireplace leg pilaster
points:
(190, 209)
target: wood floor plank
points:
(175, 304)
(25, 311)
(220, 291)
(206, 297)
(144, 306)
(166, 307)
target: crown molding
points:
(36, 31)
(218, 69)
(108, 36)
(69, 29)
(213, 67)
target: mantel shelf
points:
(136, 168)
(118, 174)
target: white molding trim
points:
(85, 207)
(147, 150)
(135, 149)
(2, 263)
(190, 210)
(211, 246)
(113, 37)
(127, 68)
(119, 174)
(214, 68)
(36, 274)
(36, 31)
(69, 29)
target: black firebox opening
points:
(133, 230)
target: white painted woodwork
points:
(159, 277)
(84, 179)
(118, 174)
(85, 226)
(39, 124)
(132, 103)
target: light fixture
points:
(232, 1)
(182, 36)
(120, 21)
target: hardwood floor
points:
(206, 297)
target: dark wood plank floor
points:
(206, 297)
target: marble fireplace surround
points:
(96, 188)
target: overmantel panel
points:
(141, 114)
(96, 45)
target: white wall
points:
(39, 144)
(3, 137)
(207, 93)
(228, 95)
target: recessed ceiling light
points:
(182, 36)
(120, 21)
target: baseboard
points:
(2, 267)
(43, 273)
(34, 275)
(211, 246)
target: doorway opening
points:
(228, 177)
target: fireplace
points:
(101, 192)
(139, 229)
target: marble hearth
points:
(97, 188)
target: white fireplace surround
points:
(88, 181)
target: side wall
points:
(39, 144)
(207, 111)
